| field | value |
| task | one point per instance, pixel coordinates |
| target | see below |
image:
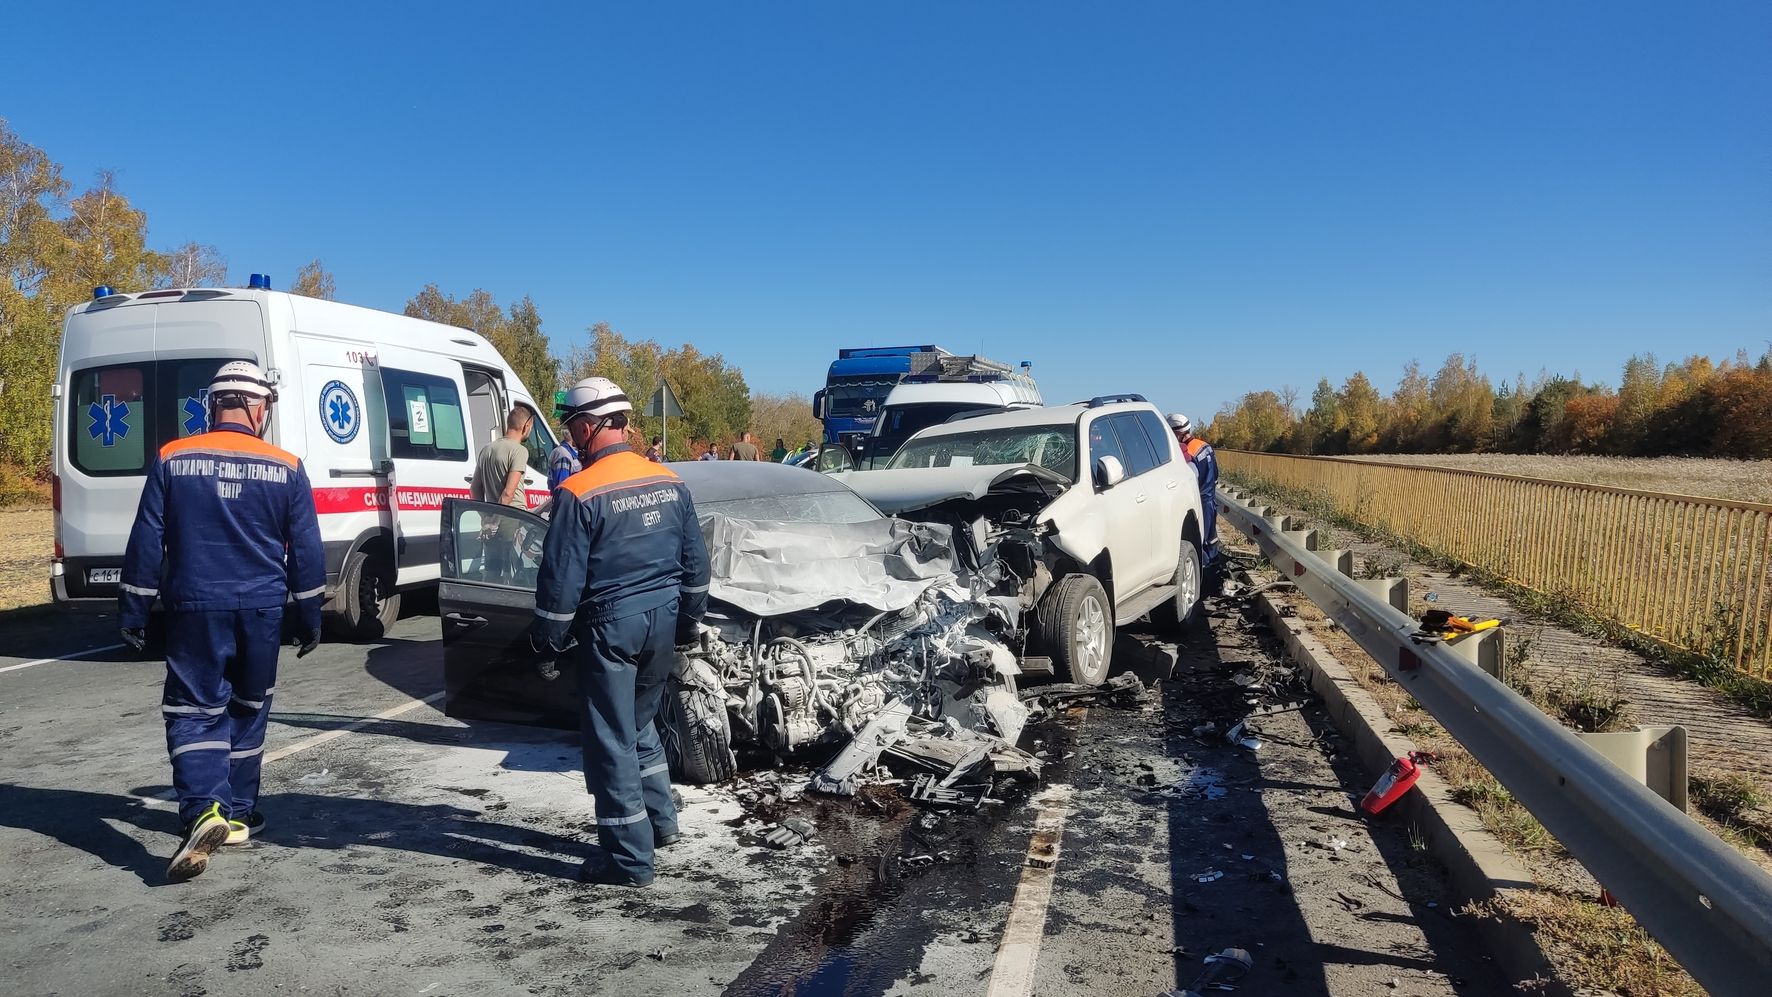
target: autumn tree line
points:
(57, 244)
(1695, 407)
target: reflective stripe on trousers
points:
(221, 668)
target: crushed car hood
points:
(909, 489)
(771, 569)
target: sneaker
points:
(244, 829)
(204, 835)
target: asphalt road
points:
(413, 854)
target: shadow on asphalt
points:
(81, 820)
(1266, 918)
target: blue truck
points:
(856, 388)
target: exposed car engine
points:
(814, 678)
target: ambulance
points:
(387, 413)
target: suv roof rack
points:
(931, 367)
(1099, 400)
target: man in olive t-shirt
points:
(498, 477)
(744, 449)
(498, 470)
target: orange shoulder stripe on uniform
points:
(234, 443)
(614, 470)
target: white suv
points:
(1088, 513)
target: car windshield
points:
(1051, 447)
(804, 507)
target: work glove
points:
(547, 655)
(136, 637)
(305, 642)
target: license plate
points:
(104, 576)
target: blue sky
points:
(1186, 199)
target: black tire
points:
(368, 604)
(1190, 579)
(697, 734)
(1077, 630)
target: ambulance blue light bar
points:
(101, 291)
(259, 282)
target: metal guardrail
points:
(1705, 902)
(1694, 573)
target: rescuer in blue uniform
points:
(624, 580)
(1204, 461)
(224, 537)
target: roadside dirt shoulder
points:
(1600, 685)
(27, 539)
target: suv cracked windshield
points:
(1052, 447)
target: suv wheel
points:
(1077, 629)
(1189, 582)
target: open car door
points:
(489, 560)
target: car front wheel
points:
(697, 734)
(1077, 625)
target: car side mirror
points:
(1109, 472)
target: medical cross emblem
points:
(110, 420)
(340, 415)
(196, 412)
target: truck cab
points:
(941, 388)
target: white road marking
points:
(65, 657)
(164, 799)
(1013, 973)
(319, 739)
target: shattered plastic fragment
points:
(789, 833)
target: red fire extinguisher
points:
(1395, 782)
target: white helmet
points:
(1180, 423)
(242, 377)
(597, 397)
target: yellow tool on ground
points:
(1439, 626)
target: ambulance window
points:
(538, 443)
(108, 419)
(486, 407)
(424, 416)
(183, 387)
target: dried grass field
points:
(1710, 477)
(24, 556)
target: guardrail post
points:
(1392, 590)
(1341, 560)
(1654, 756)
(1483, 649)
(1308, 539)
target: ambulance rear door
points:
(429, 449)
(339, 403)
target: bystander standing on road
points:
(225, 537)
(780, 453)
(711, 453)
(745, 448)
(562, 463)
(621, 583)
(498, 469)
(498, 477)
(655, 452)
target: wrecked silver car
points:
(823, 617)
